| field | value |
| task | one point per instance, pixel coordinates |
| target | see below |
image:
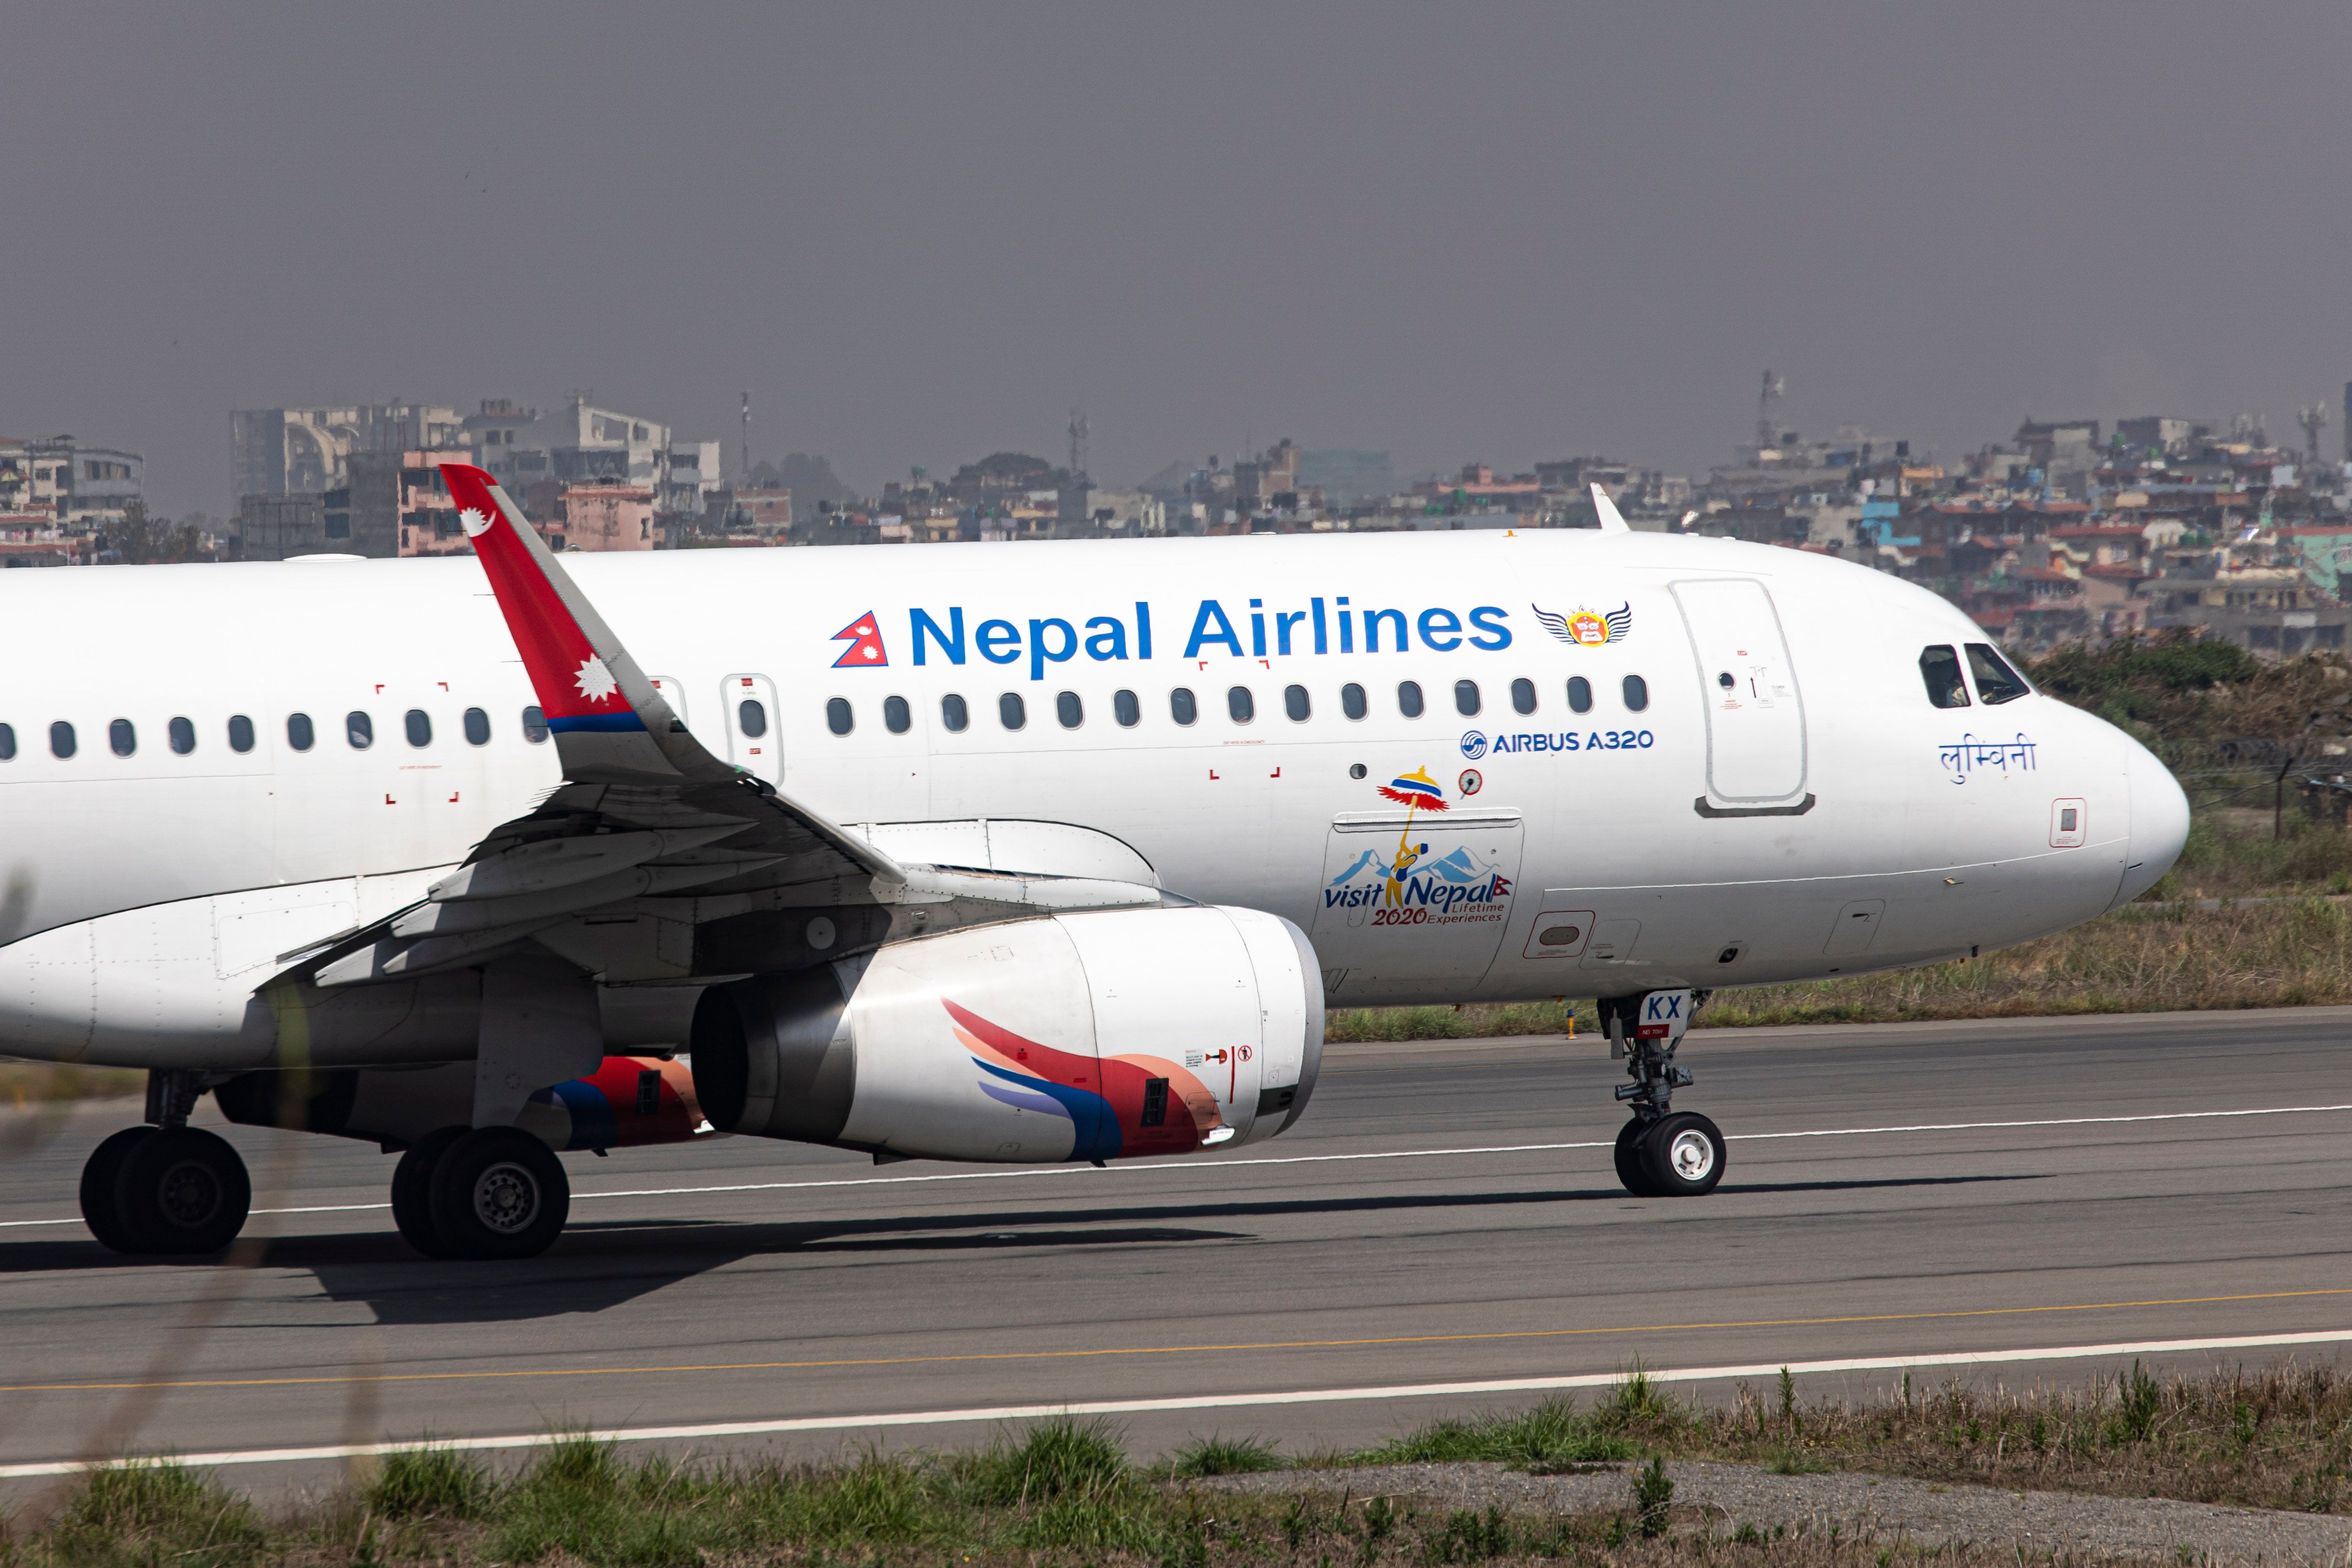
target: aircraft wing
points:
(655, 860)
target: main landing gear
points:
(166, 1187)
(480, 1193)
(1662, 1152)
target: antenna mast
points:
(2313, 419)
(1077, 443)
(744, 470)
(1773, 386)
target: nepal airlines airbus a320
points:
(971, 853)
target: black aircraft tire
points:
(1683, 1155)
(98, 1172)
(498, 1192)
(1630, 1169)
(184, 1190)
(412, 1190)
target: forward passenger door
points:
(1755, 758)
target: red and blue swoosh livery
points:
(1105, 1099)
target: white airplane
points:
(972, 853)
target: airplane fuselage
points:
(1469, 766)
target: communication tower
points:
(2313, 419)
(744, 470)
(1773, 386)
(1077, 442)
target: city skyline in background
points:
(919, 236)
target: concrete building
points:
(603, 517)
(582, 444)
(304, 451)
(758, 507)
(278, 528)
(2158, 434)
(391, 504)
(498, 426)
(77, 488)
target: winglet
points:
(1611, 520)
(608, 720)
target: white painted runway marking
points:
(1222, 1401)
(1195, 1166)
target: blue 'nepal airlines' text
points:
(1323, 625)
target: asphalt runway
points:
(1403, 1235)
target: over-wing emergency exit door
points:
(755, 741)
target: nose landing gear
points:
(1662, 1152)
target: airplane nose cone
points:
(2160, 822)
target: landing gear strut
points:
(480, 1193)
(1662, 1152)
(166, 1187)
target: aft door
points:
(1755, 716)
(1415, 903)
(754, 741)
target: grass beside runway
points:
(2144, 958)
(1066, 1492)
(2279, 1437)
(25, 1084)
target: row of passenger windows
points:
(301, 734)
(1939, 666)
(1184, 706)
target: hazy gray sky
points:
(920, 234)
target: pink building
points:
(604, 517)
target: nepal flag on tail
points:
(864, 637)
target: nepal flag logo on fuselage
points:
(864, 637)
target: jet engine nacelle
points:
(1079, 1036)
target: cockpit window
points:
(1996, 681)
(1940, 667)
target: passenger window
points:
(1240, 704)
(1181, 706)
(1011, 712)
(477, 727)
(1069, 710)
(752, 717)
(1939, 666)
(240, 732)
(419, 725)
(837, 716)
(359, 730)
(298, 733)
(1126, 710)
(1579, 694)
(183, 736)
(61, 738)
(1465, 699)
(1996, 681)
(897, 717)
(1295, 703)
(1523, 696)
(1409, 699)
(1351, 701)
(122, 737)
(534, 724)
(7, 742)
(954, 714)
(1637, 694)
